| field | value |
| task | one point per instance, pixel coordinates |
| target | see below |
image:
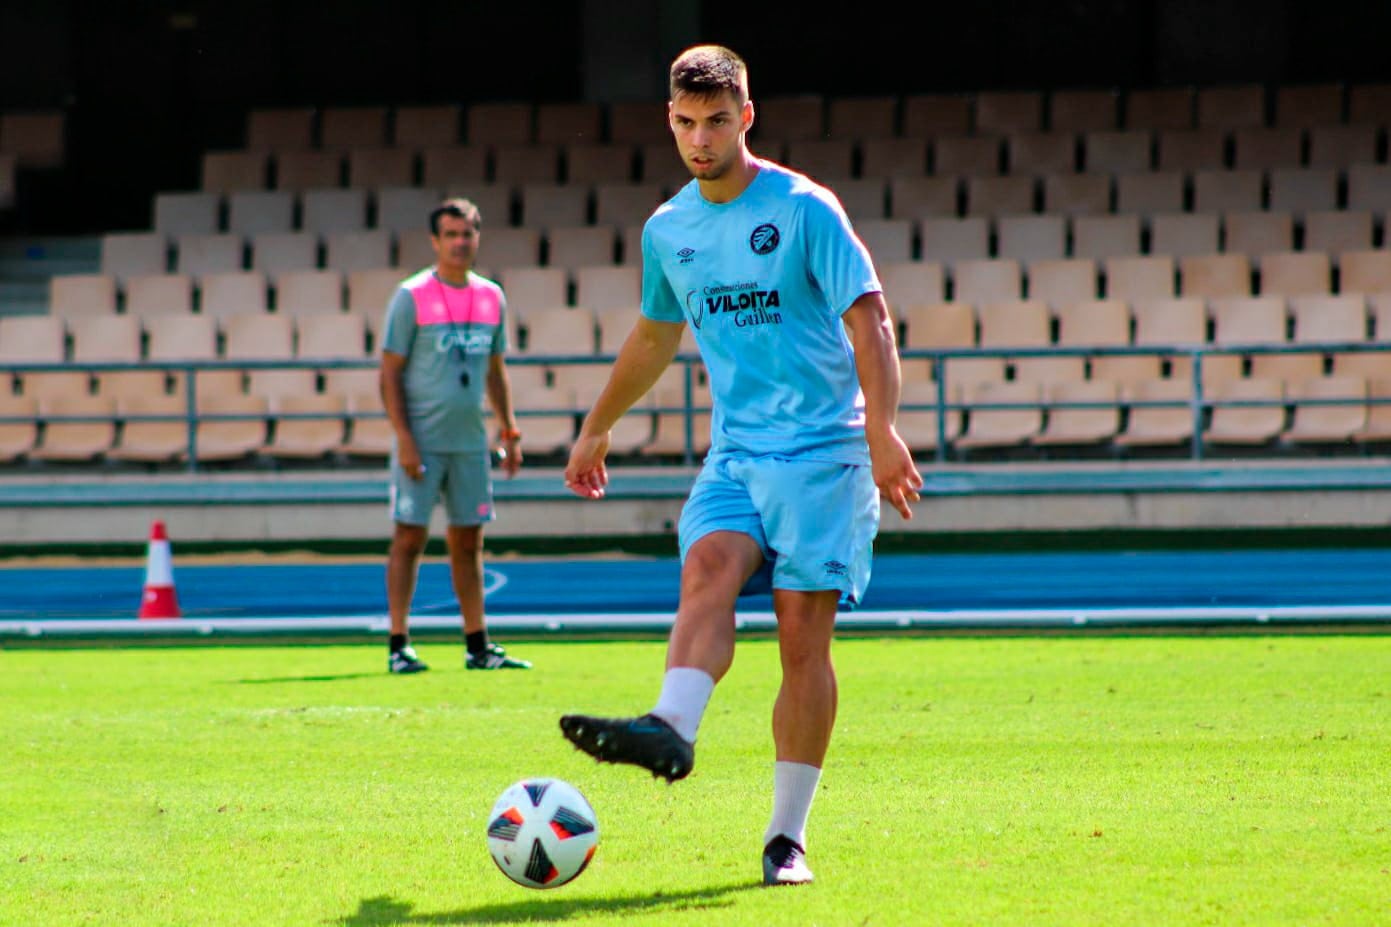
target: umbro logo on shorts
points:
(834, 568)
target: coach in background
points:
(442, 349)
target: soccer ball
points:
(542, 833)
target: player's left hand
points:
(510, 450)
(895, 473)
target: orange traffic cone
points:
(159, 600)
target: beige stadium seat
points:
(1257, 233)
(45, 385)
(1026, 324)
(1137, 278)
(1266, 148)
(920, 423)
(369, 431)
(1296, 273)
(669, 435)
(149, 294)
(1228, 191)
(529, 289)
(1214, 276)
(298, 171)
(509, 247)
(195, 213)
(522, 165)
(1038, 153)
(1326, 319)
(20, 433)
(349, 381)
(1083, 110)
(1098, 238)
(858, 117)
(74, 295)
(454, 165)
(590, 164)
(604, 287)
(381, 167)
(369, 293)
(1181, 235)
(308, 292)
(791, 117)
(1001, 427)
(930, 115)
(331, 212)
(1365, 272)
(1231, 424)
(1057, 283)
(569, 122)
(1231, 106)
(280, 129)
(228, 172)
(414, 252)
(427, 125)
(986, 281)
(1158, 109)
(578, 246)
(400, 208)
(307, 427)
(352, 127)
(888, 240)
(948, 240)
(1341, 146)
(331, 336)
(494, 203)
(258, 336)
(154, 428)
(638, 121)
(199, 255)
(1303, 190)
(278, 253)
(122, 384)
(1326, 410)
(561, 330)
(225, 294)
(1338, 230)
(1378, 427)
(615, 324)
(181, 337)
(367, 249)
(552, 430)
(1150, 193)
(252, 212)
(1005, 111)
(630, 244)
(1080, 412)
(1259, 320)
(623, 204)
(967, 156)
(659, 163)
(938, 326)
(506, 122)
(127, 254)
(230, 426)
(1159, 413)
(76, 427)
(1188, 150)
(632, 433)
(864, 198)
(582, 381)
(1000, 196)
(32, 339)
(908, 282)
(551, 205)
(1105, 324)
(100, 339)
(1308, 105)
(821, 158)
(1030, 239)
(1369, 102)
(1369, 187)
(885, 158)
(1077, 194)
(1170, 322)
(1119, 151)
(923, 197)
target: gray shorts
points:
(464, 481)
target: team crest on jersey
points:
(695, 309)
(765, 239)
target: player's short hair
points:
(708, 71)
(459, 208)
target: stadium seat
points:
(532, 288)
(1150, 193)
(331, 336)
(1000, 196)
(19, 435)
(1077, 194)
(859, 117)
(615, 324)
(931, 115)
(1040, 153)
(177, 336)
(822, 158)
(1160, 108)
(1137, 278)
(1031, 238)
(224, 294)
(381, 167)
(1259, 320)
(908, 282)
(1232, 106)
(227, 172)
(316, 438)
(364, 249)
(369, 292)
(1228, 191)
(1338, 230)
(106, 339)
(1315, 423)
(578, 246)
(148, 294)
(1004, 111)
(551, 205)
(1189, 150)
(1068, 423)
(966, 156)
(1062, 282)
(122, 384)
(923, 429)
(561, 330)
(948, 240)
(1296, 273)
(1302, 190)
(1257, 233)
(1098, 238)
(923, 197)
(519, 165)
(427, 126)
(591, 164)
(127, 254)
(194, 213)
(399, 208)
(987, 427)
(638, 122)
(1170, 322)
(332, 212)
(1365, 272)
(1215, 275)
(582, 381)
(1104, 324)
(659, 163)
(453, 166)
(1121, 151)
(1159, 413)
(1181, 235)
(1377, 430)
(200, 255)
(886, 158)
(309, 292)
(87, 436)
(369, 431)
(504, 122)
(1369, 187)
(1251, 425)
(1327, 319)
(986, 281)
(297, 171)
(280, 129)
(622, 204)
(938, 326)
(252, 212)
(230, 426)
(414, 251)
(1341, 146)
(865, 198)
(888, 240)
(1083, 110)
(604, 287)
(568, 123)
(1308, 105)
(509, 247)
(73, 295)
(790, 117)
(151, 441)
(1265, 148)
(352, 127)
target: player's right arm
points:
(648, 351)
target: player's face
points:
(456, 244)
(709, 132)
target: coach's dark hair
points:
(708, 71)
(459, 208)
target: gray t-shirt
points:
(443, 331)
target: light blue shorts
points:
(814, 521)
(464, 481)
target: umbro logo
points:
(834, 568)
(686, 255)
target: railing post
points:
(1196, 403)
(191, 415)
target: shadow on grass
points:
(334, 678)
(373, 912)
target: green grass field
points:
(1005, 780)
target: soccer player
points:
(790, 321)
(442, 349)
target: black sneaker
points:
(785, 862)
(493, 657)
(648, 742)
(405, 661)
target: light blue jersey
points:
(763, 280)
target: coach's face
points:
(709, 131)
(456, 244)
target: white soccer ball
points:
(542, 832)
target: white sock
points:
(685, 693)
(794, 787)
